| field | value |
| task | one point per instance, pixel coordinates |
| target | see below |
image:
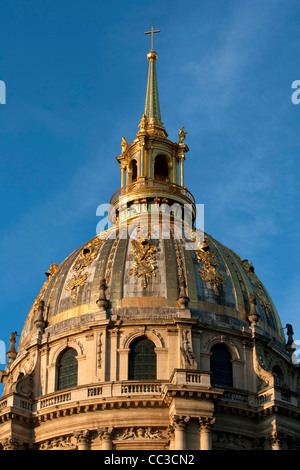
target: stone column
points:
(276, 440)
(142, 159)
(151, 163)
(205, 425)
(122, 168)
(105, 435)
(182, 171)
(179, 424)
(83, 439)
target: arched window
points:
(133, 170)
(67, 370)
(161, 169)
(220, 366)
(142, 360)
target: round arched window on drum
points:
(67, 370)
(142, 360)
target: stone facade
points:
(179, 410)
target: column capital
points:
(10, 444)
(206, 423)
(105, 433)
(180, 422)
(82, 437)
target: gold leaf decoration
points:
(52, 270)
(209, 271)
(76, 281)
(145, 263)
(84, 260)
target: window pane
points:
(142, 360)
(220, 366)
(67, 370)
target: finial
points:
(183, 299)
(152, 32)
(143, 124)
(102, 300)
(12, 353)
(39, 322)
(152, 108)
(253, 315)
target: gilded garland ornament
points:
(145, 263)
(76, 281)
(209, 271)
(84, 260)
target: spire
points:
(152, 108)
(152, 166)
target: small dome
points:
(144, 276)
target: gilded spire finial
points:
(152, 32)
(152, 108)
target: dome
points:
(142, 274)
(152, 335)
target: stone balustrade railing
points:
(186, 378)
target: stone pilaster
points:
(113, 354)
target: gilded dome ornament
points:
(84, 260)
(77, 280)
(209, 271)
(52, 270)
(124, 144)
(143, 124)
(87, 255)
(182, 135)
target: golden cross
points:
(152, 32)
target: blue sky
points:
(76, 75)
